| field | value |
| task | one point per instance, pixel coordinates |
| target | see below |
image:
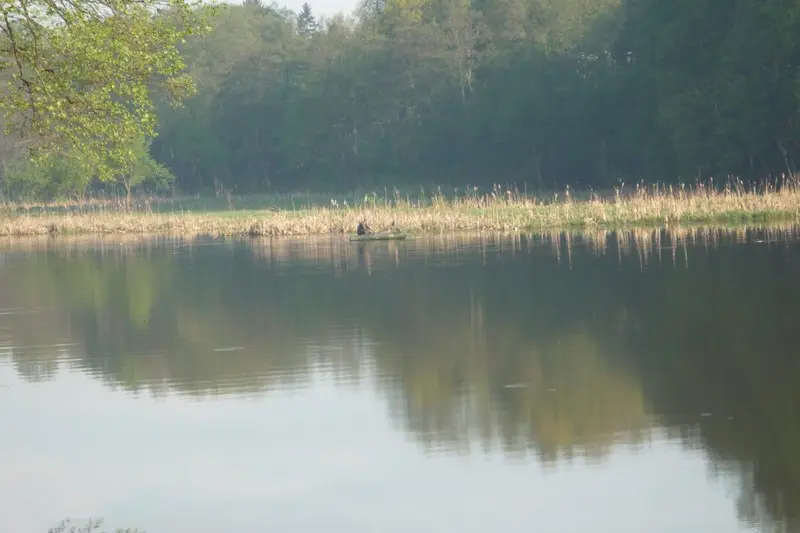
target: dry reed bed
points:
(655, 208)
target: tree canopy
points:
(546, 93)
(539, 93)
(79, 78)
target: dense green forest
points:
(543, 92)
(537, 93)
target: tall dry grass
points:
(499, 210)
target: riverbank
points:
(497, 211)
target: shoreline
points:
(643, 210)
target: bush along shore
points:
(499, 210)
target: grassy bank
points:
(500, 210)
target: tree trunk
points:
(127, 184)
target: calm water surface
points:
(561, 383)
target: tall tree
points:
(306, 22)
(81, 75)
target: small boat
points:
(378, 237)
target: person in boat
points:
(363, 228)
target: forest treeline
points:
(533, 92)
(536, 93)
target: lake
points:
(602, 382)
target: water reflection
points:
(548, 346)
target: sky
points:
(319, 7)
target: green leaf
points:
(85, 74)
